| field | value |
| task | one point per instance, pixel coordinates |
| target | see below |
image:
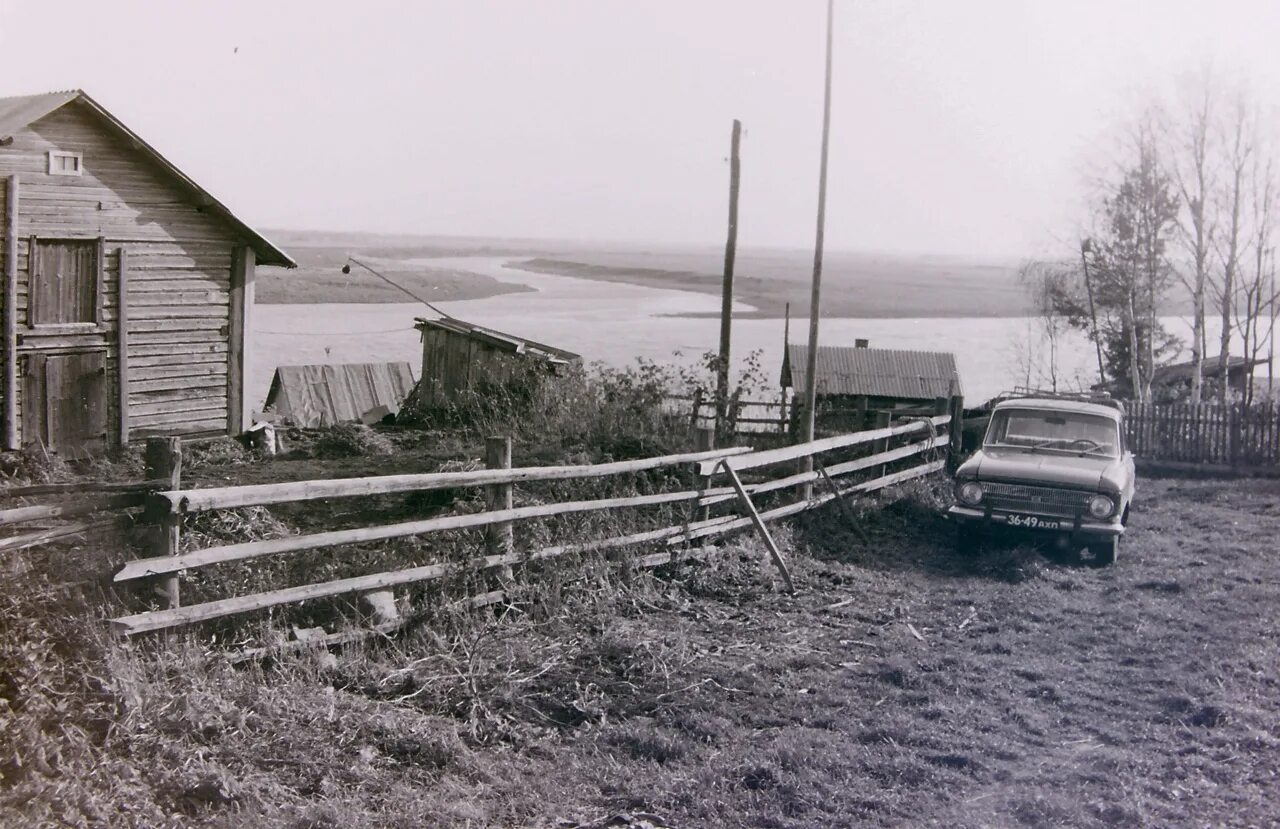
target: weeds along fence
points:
(720, 491)
(1238, 436)
(67, 510)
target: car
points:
(1049, 465)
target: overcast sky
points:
(958, 127)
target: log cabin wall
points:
(183, 266)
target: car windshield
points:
(1035, 429)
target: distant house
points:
(460, 358)
(127, 288)
(1175, 380)
(859, 379)
(322, 395)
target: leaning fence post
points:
(499, 538)
(163, 459)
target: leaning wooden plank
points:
(79, 488)
(145, 567)
(194, 500)
(39, 537)
(804, 450)
(86, 506)
(745, 500)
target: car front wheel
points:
(1104, 551)
(968, 540)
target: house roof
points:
(1209, 367)
(18, 113)
(511, 343)
(874, 372)
(322, 395)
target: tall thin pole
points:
(815, 298)
(1085, 247)
(726, 293)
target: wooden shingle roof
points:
(874, 372)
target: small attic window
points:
(65, 164)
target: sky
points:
(961, 128)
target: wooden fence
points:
(888, 456)
(1206, 435)
(83, 508)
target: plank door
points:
(64, 401)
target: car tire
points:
(1104, 551)
(968, 540)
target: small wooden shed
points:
(460, 357)
(854, 380)
(127, 288)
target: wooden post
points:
(957, 431)
(704, 441)
(883, 418)
(499, 538)
(122, 343)
(726, 292)
(11, 313)
(163, 460)
(745, 500)
(697, 408)
(240, 339)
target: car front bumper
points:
(1074, 526)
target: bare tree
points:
(1046, 283)
(1238, 141)
(1256, 290)
(1191, 142)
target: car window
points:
(1074, 432)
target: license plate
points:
(1033, 522)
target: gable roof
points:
(18, 113)
(874, 372)
(1209, 367)
(322, 395)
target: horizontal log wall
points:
(179, 259)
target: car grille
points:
(1040, 500)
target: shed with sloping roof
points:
(127, 288)
(461, 360)
(854, 380)
(322, 395)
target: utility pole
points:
(815, 297)
(726, 292)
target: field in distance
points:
(855, 284)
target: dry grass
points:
(902, 686)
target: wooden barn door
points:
(64, 384)
(65, 401)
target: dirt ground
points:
(901, 686)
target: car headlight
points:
(1101, 506)
(969, 492)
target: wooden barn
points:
(127, 288)
(459, 357)
(858, 380)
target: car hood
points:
(1045, 468)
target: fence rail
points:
(920, 439)
(1206, 434)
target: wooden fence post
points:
(883, 419)
(499, 538)
(956, 433)
(704, 441)
(163, 459)
(697, 408)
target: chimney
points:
(861, 343)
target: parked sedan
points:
(1049, 465)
